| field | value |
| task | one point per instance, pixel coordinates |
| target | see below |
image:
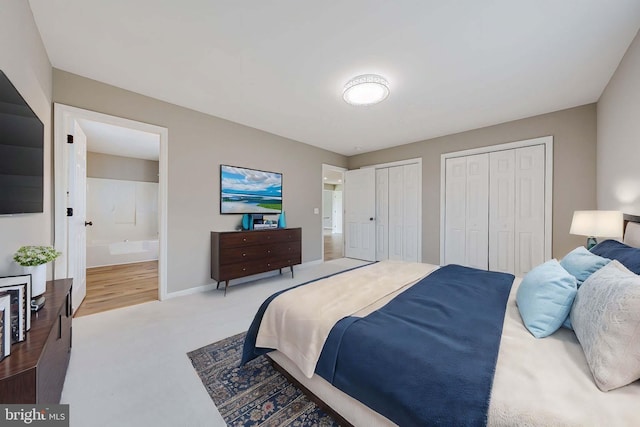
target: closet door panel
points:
(529, 208)
(396, 212)
(501, 211)
(410, 215)
(477, 212)
(382, 214)
(455, 208)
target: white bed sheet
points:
(538, 382)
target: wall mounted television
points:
(21, 153)
(249, 191)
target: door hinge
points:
(69, 139)
(69, 211)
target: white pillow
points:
(606, 319)
(632, 234)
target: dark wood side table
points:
(34, 372)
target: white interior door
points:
(382, 214)
(502, 210)
(76, 199)
(477, 206)
(396, 213)
(327, 209)
(411, 217)
(337, 212)
(360, 208)
(455, 208)
(529, 208)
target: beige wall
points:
(619, 136)
(198, 144)
(574, 162)
(100, 165)
(24, 60)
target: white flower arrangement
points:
(29, 256)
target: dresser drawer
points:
(232, 271)
(258, 237)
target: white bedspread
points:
(298, 322)
(547, 382)
(538, 382)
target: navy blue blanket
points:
(425, 358)
(428, 357)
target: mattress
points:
(538, 382)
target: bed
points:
(526, 381)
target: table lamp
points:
(596, 224)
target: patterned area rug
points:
(255, 394)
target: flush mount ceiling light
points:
(367, 89)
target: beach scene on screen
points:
(250, 191)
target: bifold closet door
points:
(403, 212)
(529, 208)
(382, 214)
(466, 206)
(410, 218)
(477, 223)
(502, 210)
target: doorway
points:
(332, 212)
(113, 245)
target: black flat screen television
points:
(249, 191)
(21, 153)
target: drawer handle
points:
(59, 326)
(244, 239)
(244, 254)
(268, 265)
(268, 251)
(244, 269)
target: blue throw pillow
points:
(612, 249)
(581, 263)
(545, 297)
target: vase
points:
(247, 222)
(282, 221)
(38, 279)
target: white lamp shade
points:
(597, 223)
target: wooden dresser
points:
(34, 372)
(237, 254)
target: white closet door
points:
(382, 214)
(411, 190)
(502, 210)
(455, 208)
(529, 208)
(396, 212)
(477, 204)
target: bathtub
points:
(101, 253)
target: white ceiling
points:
(119, 141)
(280, 66)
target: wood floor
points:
(118, 286)
(333, 247)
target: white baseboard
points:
(212, 286)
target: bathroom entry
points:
(122, 217)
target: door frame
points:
(326, 166)
(62, 113)
(547, 141)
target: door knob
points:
(371, 219)
(88, 223)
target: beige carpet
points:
(129, 366)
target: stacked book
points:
(15, 311)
